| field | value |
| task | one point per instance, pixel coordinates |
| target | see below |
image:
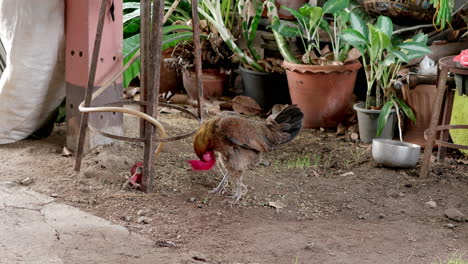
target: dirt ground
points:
(338, 205)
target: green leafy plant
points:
(172, 34)
(310, 20)
(212, 11)
(383, 56)
(443, 13)
(250, 12)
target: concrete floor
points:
(36, 229)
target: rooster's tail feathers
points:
(290, 121)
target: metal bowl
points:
(396, 154)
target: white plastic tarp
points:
(33, 83)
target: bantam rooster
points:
(240, 142)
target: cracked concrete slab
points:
(36, 229)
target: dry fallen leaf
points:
(275, 110)
(213, 110)
(315, 173)
(167, 110)
(246, 105)
(354, 136)
(340, 129)
(353, 54)
(277, 205)
(325, 51)
(66, 152)
(347, 174)
(226, 106)
(179, 99)
(130, 92)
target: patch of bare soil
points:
(334, 204)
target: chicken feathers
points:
(240, 140)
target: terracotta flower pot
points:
(421, 100)
(322, 92)
(213, 83)
(171, 81)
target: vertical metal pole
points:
(154, 78)
(145, 20)
(198, 61)
(90, 85)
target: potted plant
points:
(268, 86)
(321, 83)
(383, 55)
(178, 10)
(216, 63)
(262, 78)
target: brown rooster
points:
(240, 142)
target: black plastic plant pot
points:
(267, 89)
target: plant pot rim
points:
(242, 68)
(304, 68)
(360, 107)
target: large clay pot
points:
(171, 81)
(213, 83)
(323, 93)
(267, 89)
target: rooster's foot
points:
(220, 189)
(240, 190)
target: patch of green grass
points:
(301, 162)
(455, 259)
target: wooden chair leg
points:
(441, 87)
(444, 134)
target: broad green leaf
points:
(406, 109)
(358, 24)
(169, 29)
(420, 38)
(344, 52)
(299, 16)
(415, 47)
(353, 37)
(383, 117)
(343, 16)
(375, 43)
(384, 41)
(333, 6)
(131, 15)
(131, 5)
(130, 45)
(389, 60)
(305, 9)
(314, 16)
(323, 24)
(288, 31)
(414, 55)
(132, 28)
(400, 55)
(129, 48)
(385, 25)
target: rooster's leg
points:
(219, 190)
(241, 189)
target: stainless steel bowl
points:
(393, 153)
